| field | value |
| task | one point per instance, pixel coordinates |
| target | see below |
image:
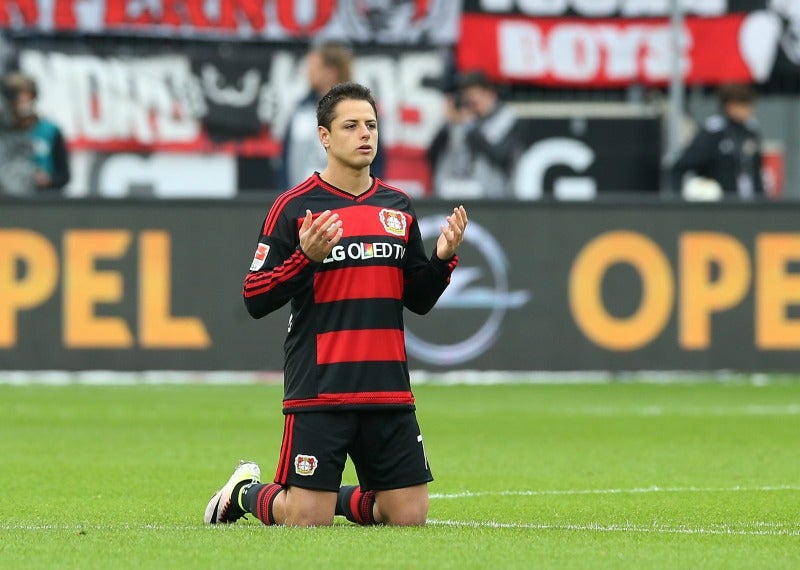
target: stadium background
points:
(131, 378)
(175, 111)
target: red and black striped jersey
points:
(345, 348)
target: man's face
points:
(24, 106)
(479, 100)
(316, 72)
(352, 139)
(739, 111)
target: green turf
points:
(574, 476)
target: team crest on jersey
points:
(260, 257)
(393, 222)
(305, 465)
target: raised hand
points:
(452, 234)
(318, 237)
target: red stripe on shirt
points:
(280, 204)
(352, 398)
(370, 282)
(452, 266)
(368, 345)
(367, 220)
(258, 283)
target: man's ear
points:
(324, 136)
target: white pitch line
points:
(773, 529)
(660, 529)
(100, 527)
(635, 490)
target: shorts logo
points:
(393, 222)
(260, 257)
(305, 465)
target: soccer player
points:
(345, 250)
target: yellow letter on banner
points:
(586, 286)
(37, 258)
(85, 287)
(700, 294)
(157, 327)
(776, 290)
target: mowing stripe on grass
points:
(745, 410)
(653, 489)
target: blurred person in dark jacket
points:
(474, 153)
(33, 155)
(327, 64)
(725, 155)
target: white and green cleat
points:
(220, 509)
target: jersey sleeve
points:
(280, 268)
(425, 277)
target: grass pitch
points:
(621, 475)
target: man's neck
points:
(352, 181)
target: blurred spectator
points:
(725, 155)
(33, 156)
(473, 154)
(326, 65)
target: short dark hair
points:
(474, 78)
(337, 94)
(16, 82)
(736, 93)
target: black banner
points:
(612, 8)
(578, 157)
(541, 286)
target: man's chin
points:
(362, 162)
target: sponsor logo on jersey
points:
(393, 222)
(305, 465)
(362, 250)
(260, 257)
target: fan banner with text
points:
(406, 22)
(613, 43)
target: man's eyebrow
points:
(370, 120)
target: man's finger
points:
(306, 222)
(463, 213)
(332, 222)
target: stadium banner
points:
(141, 285)
(156, 107)
(573, 157)
(614, 44)
(411, 22)
(132, 121)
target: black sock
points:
(355, 504)
(257, 499)
(345, 492)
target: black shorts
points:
(386, 449)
